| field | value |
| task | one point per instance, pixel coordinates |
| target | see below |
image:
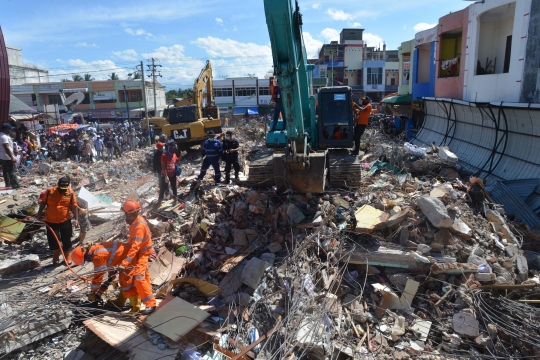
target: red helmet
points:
(131, 206)
(77, 255)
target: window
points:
(264, 91)
(132, 96)
(424, 57)
(245, 91)
(322, 72)
(374, 76)
(495, 40)
(34, 100)
(450, 64)
(55, 99)
(222, 92)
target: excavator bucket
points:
(294, 174)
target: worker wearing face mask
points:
(230, 155)
(57, 202)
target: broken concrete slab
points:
(368, 219)
(19, 263)
(453, 268)
(253, 272)
(443, 237)
(439, 192)
(465, 324)
(165, 267)
(501, 226)
(461, 229)
(274, 247)
(435, 211)
(397, 218)
(522, 267)
(485, 277)
(390, 299)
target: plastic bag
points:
(415, 150)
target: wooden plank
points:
(236, 259)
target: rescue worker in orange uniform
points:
(363, 113)
(59, 201)
(135, 264)
(105, 256)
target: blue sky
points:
(104, 36)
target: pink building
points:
(450, 55)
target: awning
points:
(242, 111)
(398, 99)
(16, 106)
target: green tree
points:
(65, 80)
(185, 93)
(77, 77)
(171, 94)
(114, 76)
(88, 77)
(137, 76)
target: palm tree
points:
(77, 77)
(136, 76)
(113, 76)
(65, 80)
(88, 77)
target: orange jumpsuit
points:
(108, 254)
(140, 240)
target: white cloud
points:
(128, 55)
(219, 21)
(84, 44)
(234, 58)
(312, 45)
(316, 6)
(423, 26)
(339, 15)
(138, 32)
(330, 34)
(356, 24)
(372, 39)
(99, 69)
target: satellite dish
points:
(74, 100)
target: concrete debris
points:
(406, 266)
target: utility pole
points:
(152, 69)
(127, 108)
(145, 100)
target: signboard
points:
(104, 114)
(181, 134)
(108, 95)
(83, 90)
(340, 97)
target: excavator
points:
(312, 146)
(188, 124)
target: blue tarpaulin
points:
(242, 111)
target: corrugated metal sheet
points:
(522, 187)
(4, 80)
(513, 204)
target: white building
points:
(497, 46)
(21, 73)
(240, 95)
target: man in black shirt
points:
(230, 156)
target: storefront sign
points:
(104, 114)
(109, 95)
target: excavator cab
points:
(335, 119)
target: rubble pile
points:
(410, 265)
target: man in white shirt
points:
(8, 157)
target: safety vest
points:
(140, 240)
(106, 255)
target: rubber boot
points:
(120, 300)
(135, 302)
(56, 256)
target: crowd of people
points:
(89, 144)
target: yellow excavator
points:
(188, 124)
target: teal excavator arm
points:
(292, 69)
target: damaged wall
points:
(490, 140)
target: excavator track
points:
(343, 169)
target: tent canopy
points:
(398, 99)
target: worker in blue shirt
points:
(212, 152)
(230, 156)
